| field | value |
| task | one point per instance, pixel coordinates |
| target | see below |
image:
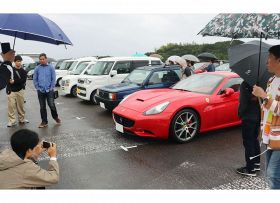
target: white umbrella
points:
(190, 57)
(177, 59)
(173, 58)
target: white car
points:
(70, 65)
(69, 82)
(108, 71)
(30, 74)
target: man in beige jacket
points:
(17, 167)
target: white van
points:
(110, 71)
(69, 82)
(70, 65)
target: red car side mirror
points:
(228, 91)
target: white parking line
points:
(126, 148)
(79, 118)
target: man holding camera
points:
(18, 168)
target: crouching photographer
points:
(18, 167)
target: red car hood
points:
(146, 99)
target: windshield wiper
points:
(183, 90)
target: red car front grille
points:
(124, 121)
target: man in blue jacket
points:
(211, 66)
(44, 80)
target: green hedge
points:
(218, 48)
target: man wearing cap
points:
(16, 94)
(6, 70)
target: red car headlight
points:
(157, 109)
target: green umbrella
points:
(244, 25)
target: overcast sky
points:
(119, 34)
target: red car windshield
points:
(200, 83)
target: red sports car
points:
(200, 103)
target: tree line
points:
(219, 49)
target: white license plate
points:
(102, 105)
(119, 127)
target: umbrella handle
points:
(259, 64)
(14, 41)
(260, 102)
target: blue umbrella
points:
(32, 27)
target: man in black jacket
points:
(189, 69)
(6, 71)
(249, 112)
(15, 90)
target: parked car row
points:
(69, 66)
(148, 99)
(108, 71)
(69, 82)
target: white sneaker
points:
(24, 122)
(11, 124)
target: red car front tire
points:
(185, 126)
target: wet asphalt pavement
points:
(91, 157)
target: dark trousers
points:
(43, 98)
(250, 132)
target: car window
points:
(233, 83)
(122, 67)
(155, 62)
(170, 77)
(66, 65)
(73, 66)
(80, 68)
(87, 71)
(200, 83)
(158, 77)
(137, 64)
(57, 65)
(137, 76)
(101, 68)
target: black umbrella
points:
(244, 25)
(207, 56)
(244, 60)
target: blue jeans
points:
(49, 98)
(273, 168)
